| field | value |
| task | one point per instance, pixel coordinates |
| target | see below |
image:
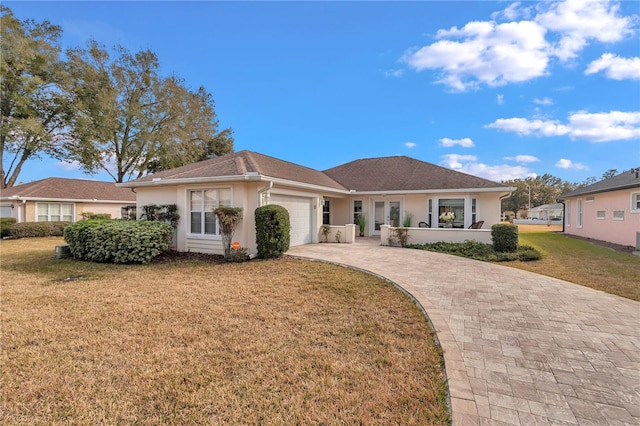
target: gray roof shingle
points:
(70, 189)
(243, 162)
(401, 173)
(624, 180)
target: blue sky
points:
(501, 90)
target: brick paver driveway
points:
(519, 348)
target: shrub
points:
(272, 231)
(91, 215)
(480, 251)
(5, 224)
(115, 241)
(37, 229)
(504, 237)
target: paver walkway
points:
(519, 348)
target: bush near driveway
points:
(480, 251)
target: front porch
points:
(435, 235)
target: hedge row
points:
(117, 241)
(37, 229)
(5, 224)
(272, 231)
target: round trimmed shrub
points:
(272, 231)
(504, 237)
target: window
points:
(618, 215)
(473, 211)
(357, 210)
(430, 213)
(579, 212)
(128, 213)
(567, 213)
(201, 205)
(454, 205)
(601, 215)
(590, 199)
(326, 212)
(635, 202)
(54, 212)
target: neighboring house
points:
(384, 190)
(55, 199)
(546, 212)
(608, 210)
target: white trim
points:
(506, 191)
(635, 202)
(579, 213)
(73, 211)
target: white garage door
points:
(6, 210)
(299, 209)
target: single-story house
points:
(608, 210)
(385, 190)
(546, 212)
(55, 199)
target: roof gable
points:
(70, 189)
(625, 180)
(401, 173)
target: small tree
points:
(228, 218)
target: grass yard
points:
(581, 262)
(190, 342)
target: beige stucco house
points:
(608, 210)
(384, 190)
(60, 199)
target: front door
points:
(385, 213)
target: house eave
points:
(435, 191)
(232, 178)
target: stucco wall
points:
(608, 229)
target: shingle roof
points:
(624, 180)
(70, 189)
(243, 162)
(402, 173)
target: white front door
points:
(385, 212)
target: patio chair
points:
(423, 225)
(477, 225)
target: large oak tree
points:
(33, 103)
(130, 121)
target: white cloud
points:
(592, 127)
(615, 67)
(393, 73)
(523, 159)
(488, 53)
(523, 126)
(578, 21)
(454, 161)
(410, 144)
(495, 54)
(464, 142)
(543, 101)
(565, 164)
(68, 166)
(605, 127)
(468, 164)
(500, 99)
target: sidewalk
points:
(519, 348)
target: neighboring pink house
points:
(608, 210)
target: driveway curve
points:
(519, 348)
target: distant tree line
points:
(545, 189)
(103, 109)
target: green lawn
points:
(584, 263)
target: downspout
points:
(504, 197)
(564, 207)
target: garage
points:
(299, 209)
(6, 210)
